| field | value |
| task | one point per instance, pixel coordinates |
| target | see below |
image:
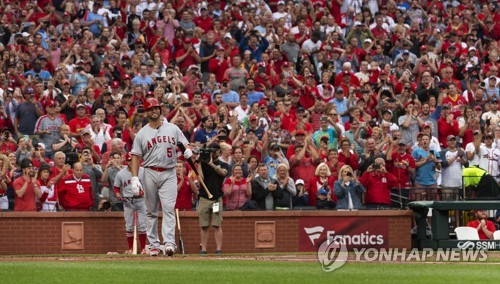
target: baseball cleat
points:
(169, 250)
(218, 252)
(129, 251)
(154, 252)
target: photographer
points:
(378, 183)
(213, 172)
(93, 171)
(348, 190)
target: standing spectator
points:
(114, 165)
(348, 190)
(265, 189)
(453, 159)
(346, 155)
(447, 125)
(27, 114)
(206, 132)
(237, 189)
(426, 163)
(409, 124)
(47, 127)
(185, 188)
(236, 74)
(378, 183)
(48, 198)
(93, 172)
(27, 188)
(489, 157)
(287, 185)
(322, 179)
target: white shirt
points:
(495, 117)
(489, 160)
(452, 174)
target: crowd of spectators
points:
(313, 103)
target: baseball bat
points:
(190, 162)
(181, 241)
(134, 246)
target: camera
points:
(376, 166)
(205, 154)
(349, 174)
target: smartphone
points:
(187, 104)
(432, 152)
(394, 138)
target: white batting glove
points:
(188, 153)
(136, 185)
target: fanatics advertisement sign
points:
(354, 232)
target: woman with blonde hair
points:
(287, 184)
(348, 190)
(322, 179)
(237, 189)
(226, 151)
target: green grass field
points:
(164, 270)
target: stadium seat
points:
(466, 233)
(496, 235)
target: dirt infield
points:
(123, 257)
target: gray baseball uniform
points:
(158, 149)
(131, 204)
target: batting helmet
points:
(151, 102)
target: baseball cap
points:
(29, 90)
(478, 107)
(406, 51)
(322, 191)
(450, 137)
(281, 2)
(252, 117)
(274, 147)
(386, 111)
(84, 132)
(368, 40)
(191, 67)
(489, 135)
(300, 132)
(339, 90)
(408, 103)
(426, 125)
(423, 47)
(446, 106)
(51, 104)
(358, 23)
(494, 100)
(80, 105)
(115, 85)
(65, 81)
(299, 181)
(476, 132)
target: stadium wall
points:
(257, 232)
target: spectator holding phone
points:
(426, 163)
(27, 188)
(348, 190)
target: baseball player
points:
(156, 144)
(131, 204)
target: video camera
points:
(205, 154)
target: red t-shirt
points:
(184, 195)
(27, 202)
(489, 225)
(398, 168)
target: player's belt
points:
(159, 169)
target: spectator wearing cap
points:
(95, 21)
(186, 55)
(278, 135)
(27, 188)
(426, 163)
(255, 127)
(27, 113)
(378, 182)
(492, 117)
(206, 132)
(302, 196)
(64, 98)
(272, 156)
(447, 125)
(453, 158)
(491, 87)
(219, 63)
(80, 122)
(333, 133)
(47, 126)
(236, 75)
(434, 141)
(340, 102)
(48, 198)
(399, 162)
(489, 156)
(409, 124)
